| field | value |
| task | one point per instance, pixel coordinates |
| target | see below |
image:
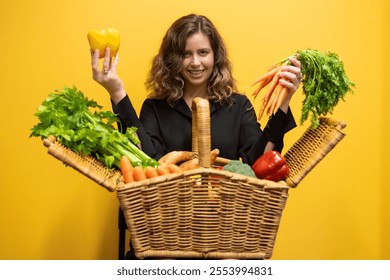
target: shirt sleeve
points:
(254, 140)
(128, 117)
(126, 113)
(277, 126)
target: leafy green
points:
(324, 83)
(67, 115)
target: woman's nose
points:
(195, 60)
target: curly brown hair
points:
(164, 80)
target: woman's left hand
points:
(290, 77)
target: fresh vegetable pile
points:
(79, 125)
(67, 115)
(172, 162)
(324, 84)
(132, 173)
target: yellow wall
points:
(340, 211)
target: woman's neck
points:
(190, 94)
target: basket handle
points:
(201, 140)
(312, 147)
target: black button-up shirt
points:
(234, 129)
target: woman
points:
(192, 62)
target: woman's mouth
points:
(196, 73)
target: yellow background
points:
(48, 211)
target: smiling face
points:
(198, 62)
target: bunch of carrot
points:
(138, 173)
(172, 162)
(275, 94)
(324, 84)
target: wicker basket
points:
(86, 165)
(206, 212)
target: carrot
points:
(262, 85)
(194, 163)
(139, 173)
(189, 164)
(126, 169)
(162, 169)
(274, 82)
(258, 89)
(262, 108)
(268, 101)
(151, 172)
(268, 97)
(176, 157)
(173, 168)
(275, 97)
(214, 154)
(282, 96)
(270, 73)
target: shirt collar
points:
(183, 108)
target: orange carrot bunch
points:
(275, 94)
(138, 173)
(126, 169)
(172, 162)
(324, 84)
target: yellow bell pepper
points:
(100, 39)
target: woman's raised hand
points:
(291, 75)
(107, 75)
(290, 78)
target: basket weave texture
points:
(203, 213)
(86, 165)
(312, 147)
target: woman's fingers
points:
(108, 65)
(95, 60)
(106, 75)
(106, 62)
(95, 65)
(291, 75)
(295, 61)
(114, 63)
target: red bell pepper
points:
(271, 166)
